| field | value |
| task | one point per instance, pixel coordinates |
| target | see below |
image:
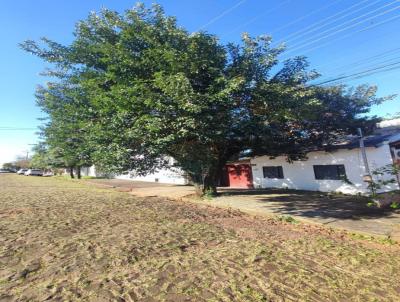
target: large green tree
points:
(152, 89)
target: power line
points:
(368, 59)
(302, 45)
(364, 73)
(310, 29)
(259, 16)
(5, 128)
(353, 33)
(306, 16)
(304, 42)
(363, 64)
(220, 16)
(360, 72)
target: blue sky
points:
(338, 36)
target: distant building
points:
(170, 175)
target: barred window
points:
(273, 172)
(333, 172)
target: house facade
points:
(237, 174)
(342, 171)
(171, 175)
(164, 175)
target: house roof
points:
(369, 141)
(395, 138)
(351, 142)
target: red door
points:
(240, 176)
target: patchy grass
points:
(382, 240)
(62, 240)
(288, 219)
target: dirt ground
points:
(144, 188)
(63, 240)
(340, 211)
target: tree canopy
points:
(66, 131)
(132, 88)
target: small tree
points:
(384, 176)
(45, 158)
(22, 162)
(10, 166)
(65, 143)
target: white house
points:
(165, 175)
(340, 170)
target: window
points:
(273, 172)
(335, 172)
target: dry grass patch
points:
(61, 240)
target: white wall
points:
(89, 171)
(168, 176)
(300, 174)
(171, 175)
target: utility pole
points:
(27, 154)
(367, 177)
(27, 151)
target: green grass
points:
(288, 219)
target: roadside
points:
(350, 213)
(144, 188)
(67, 241)
(338, 211)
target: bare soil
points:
(62, 240)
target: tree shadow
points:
(311, 204)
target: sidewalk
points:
(338, 211)
(344, 212)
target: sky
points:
(347, 38)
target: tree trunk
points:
(71, 172)
(198, 187)
(208, 182)
(78, 172)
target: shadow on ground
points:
(311, 204)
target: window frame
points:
(340, 171)
(278, 169)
